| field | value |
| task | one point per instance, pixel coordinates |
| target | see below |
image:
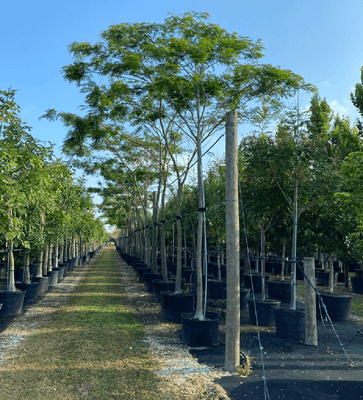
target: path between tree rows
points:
(98, 335)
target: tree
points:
(22, 177)
(357, 100)
(189, 70)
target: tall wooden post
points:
(311, 330)
(232, 350)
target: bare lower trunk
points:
(45, 261)
(11, 267)
(26, 266)
(283, 259)
(331, 273)
(40, 265)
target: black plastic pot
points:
(19, 275)
(217, 289)
(187, 274)
(148, 278)
(290, 324)
(197, 333)
(61, 273)
(322, 278)
(140, 272)
(264, 309)
(172, 305)
(44, 284)
(357, 285)
(33, 269)
(337, 305)
(53, 277)
(12, 303)
(279, 290)
(32, 291)
(256, 280)
(161, 286)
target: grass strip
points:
(92, 350)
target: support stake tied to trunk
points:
(232, 350)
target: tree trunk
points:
(11, 267)
(26, 266)
(283, 258)
(331, 273)
(178, 288)
(199, 306)
(263, 263)
(45, 261)
(293, 252)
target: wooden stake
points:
(232, 351)
(311, 330)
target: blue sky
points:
(320, 40)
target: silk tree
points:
(196, 69)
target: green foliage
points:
(40, 201)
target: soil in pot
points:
(337, 305)
(264, 310)
(290, 324)
(197, 333)
(172, 305)
(12, 303)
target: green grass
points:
(92, 350)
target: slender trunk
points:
(164, 269)
(263, 264)
(61, 253)
(40, 265)
(283, 258)
(45, 261)
(331, 273)
(293, 252)
(154, 266)
(11, 267)
(56, 256)
(178, 288)
(185, 248)
(219, 263)
(26, 266)
(50, 258)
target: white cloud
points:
(339, 108)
